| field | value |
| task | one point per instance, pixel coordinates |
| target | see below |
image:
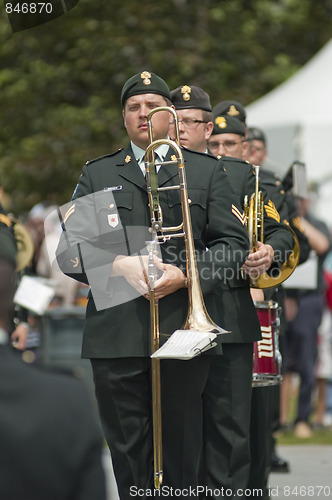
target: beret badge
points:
(221, 122)
(233, 111)
(146, 77)
(186, 90)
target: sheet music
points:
(185, 344)
(33, 294)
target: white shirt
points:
(139, 153)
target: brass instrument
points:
(24, 243)
(197, 316)
(254, 214)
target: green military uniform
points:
(8, 246)
(228, 390)
(109, 207)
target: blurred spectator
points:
(51, 446)
(300, 353)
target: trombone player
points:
(116, 333)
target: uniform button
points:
(112, 205)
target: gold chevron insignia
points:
(69, 212)
(74, 261)
(239, 215)
(271, 211)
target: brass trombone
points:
(197, 316)
(254, 214)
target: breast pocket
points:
(114, 211)
(197, 207)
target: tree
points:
(60, 82)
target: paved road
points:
(310, 477)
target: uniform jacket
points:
(115, 325)
(51, 446)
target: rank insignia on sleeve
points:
(69, 212)
(74, 262)
(113, 220)
(239, 215)
(271, 211)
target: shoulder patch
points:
(271, 211)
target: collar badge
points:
(127, 159)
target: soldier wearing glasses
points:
(227, 394)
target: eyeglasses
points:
(188, 122)
(227, 145)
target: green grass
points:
(323, 436)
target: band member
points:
(105, 230)
(227, 395)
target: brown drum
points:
(267, 358)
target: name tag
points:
(113, 188)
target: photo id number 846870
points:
(28, 8)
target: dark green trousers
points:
(123, 390)
(227, 397)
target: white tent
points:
(297, 119)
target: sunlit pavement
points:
(310, 475)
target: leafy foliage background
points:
(60, 82)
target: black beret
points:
(230, 108)
(256, 134)
(189, 97)
(144, 83)
(223, 124)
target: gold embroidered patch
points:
(239, 215)
(271, 211)
(69, 212)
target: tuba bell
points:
(254, 215)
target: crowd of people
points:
(218, 427)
